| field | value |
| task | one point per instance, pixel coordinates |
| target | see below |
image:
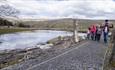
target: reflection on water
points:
(28, 39)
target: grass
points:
(6, 30)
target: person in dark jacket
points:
(106, 31)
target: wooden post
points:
(75, 32)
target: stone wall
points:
(109, 58)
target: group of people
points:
(95, 31)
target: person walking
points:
(98, 33)
(93, 32)
(88, 33)
(105, 31)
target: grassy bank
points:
(7, 30)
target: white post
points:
(76, 38)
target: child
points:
(88, 33)
(98, 33)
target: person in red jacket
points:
(93, 32)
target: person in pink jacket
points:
(93, 32)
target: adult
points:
(106, 31)
(93, 32)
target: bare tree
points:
(7, 10)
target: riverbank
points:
(13, 30)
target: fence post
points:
(75, 32)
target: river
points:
(21, 40)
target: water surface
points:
(21, 40)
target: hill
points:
(64, 24)
(58, 24)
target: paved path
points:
(87, 56)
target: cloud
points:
(65, 8)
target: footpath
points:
(86, 56)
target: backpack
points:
(99, 31)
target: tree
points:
(4, 22)
(23, 25)
(7, 10)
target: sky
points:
(82, 9)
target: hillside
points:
(64, 23)
(58, 24)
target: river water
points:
(21, 40)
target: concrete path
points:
(88, 56)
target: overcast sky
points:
(98, 9)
